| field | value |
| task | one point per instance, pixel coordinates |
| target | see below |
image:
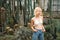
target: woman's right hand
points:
(35, 30)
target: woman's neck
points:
(36, 16)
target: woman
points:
(37, 24)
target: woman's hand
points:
(34, 30)
(44, 30)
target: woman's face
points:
(38, 12)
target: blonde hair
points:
(37, 9)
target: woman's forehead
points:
(38, 9)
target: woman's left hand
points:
(44, 30)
